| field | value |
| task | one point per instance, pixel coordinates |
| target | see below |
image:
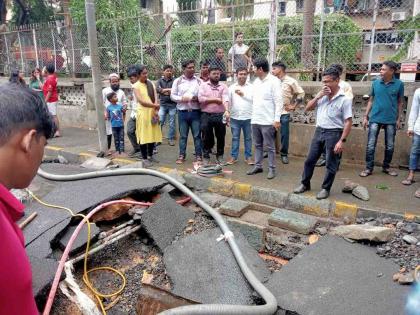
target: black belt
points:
(189, 110)
(330, 129)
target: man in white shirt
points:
(348, 92)
(114, 86)
(240, 101)
(333, 125)
(133, 75)
(414, 132)
(267, 106)
(239, 53)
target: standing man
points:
(204, 71)
(185, 93)
(114, 86)
(348, 92)
(383, 111)
(291, 88)
(267, 106)
(133, 75)
(51, 95)
(414, 132)
(218, 60)
(167, 106)
(25, 127)
(239, 52)
(240, 102)
(333, 125)
(214, 102)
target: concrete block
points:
(254, 234)
(196, 182)
(268, 196)
(96, 163)
(343, 209)
(308, 205)
(293, 221)
(241, 190)
(221, 186)
(234, 207)
(213, 200)
(364, 232)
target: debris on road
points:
(361, 192)
(364, 232)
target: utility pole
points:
(96, 72)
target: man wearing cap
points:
(114, 86)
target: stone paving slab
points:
(164, 220)
(293, 221)
(234, 207)
(213, 200)
(82, 195)
(335, 277)
(210, 265)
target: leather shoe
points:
(271, 174)
(254, 171)
(323, 194)
(285, 159)
(301, 189)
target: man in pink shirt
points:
(25, 126)
(214, 102)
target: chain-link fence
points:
(307, 35)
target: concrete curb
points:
(300, 203)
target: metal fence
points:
(307, 35)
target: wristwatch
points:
(343, 140)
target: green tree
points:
(407, 31)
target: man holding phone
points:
(240, 102)
(333, 125)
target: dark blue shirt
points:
(385, 101)
(115, 114)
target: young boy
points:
(25, 126)
(115, 113)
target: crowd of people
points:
(260, 112)
(258, 109)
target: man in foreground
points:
(333, 125)
(25, 127)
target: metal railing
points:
(307, 35)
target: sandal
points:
(365, 173)
(389, 172)
(180, 160)
(408, 181)
(417, 193)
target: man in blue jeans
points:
(185, 93)
(383, 111)
(240, 103)
(291, 88)
(167, 106)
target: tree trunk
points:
(306, 55)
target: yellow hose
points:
(98, 295)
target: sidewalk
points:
(396, 198)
